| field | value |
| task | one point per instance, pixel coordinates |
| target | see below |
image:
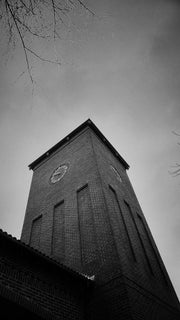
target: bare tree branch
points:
(22, 40)
(41, 58)
(177, 134)
(85, 7)
(27, 20)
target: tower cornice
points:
(87, 123)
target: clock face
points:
(58, 173)
(116, 173)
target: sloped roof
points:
(4, 235)
(87, 123)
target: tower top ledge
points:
(87, 123)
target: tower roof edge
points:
(87, 123)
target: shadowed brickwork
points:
(36, 287)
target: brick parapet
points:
(38, 284)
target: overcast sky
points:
(120, 68)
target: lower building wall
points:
(37, 287)
(109, 301)
(145, 306)
(122, 299)
(34, 283)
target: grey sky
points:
(121, 69)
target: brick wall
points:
(39, 284)
(121, 298)
(110, 301)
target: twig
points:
(22, 41)
(85, 7)
(41, 58)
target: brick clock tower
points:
(83, 212)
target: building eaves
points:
(87, 123)
(41, 255)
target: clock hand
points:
(56, 174)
